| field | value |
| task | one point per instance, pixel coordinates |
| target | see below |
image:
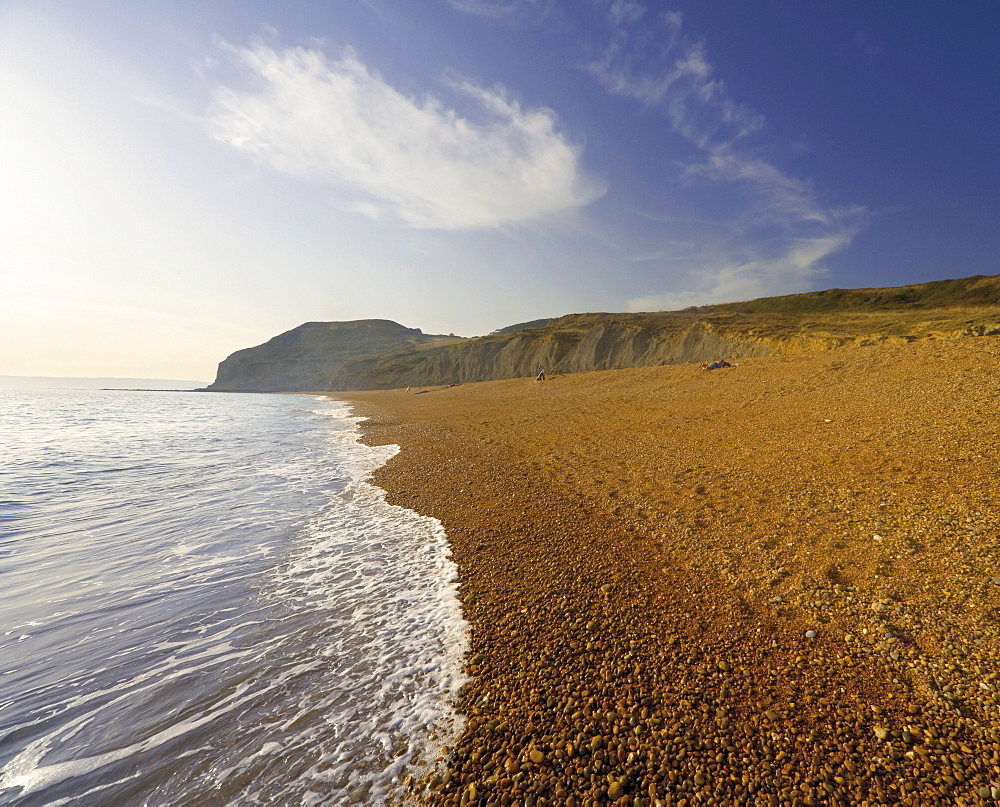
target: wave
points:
(213, 644)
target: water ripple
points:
(207, 603)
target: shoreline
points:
(641, 553)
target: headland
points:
(777, 583)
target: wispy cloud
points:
(783, 231)
(775, 196)
(517, 11)
(484, 8)
(650, 59)
(626, 11)
(869, 47)
(671, 251)
(416, 160)
(792, 267)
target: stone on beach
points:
(626, 643)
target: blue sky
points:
(183, 179)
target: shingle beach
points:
(773, 584)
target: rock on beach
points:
(642, 553)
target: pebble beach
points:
(774, 584)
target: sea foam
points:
(202, 638)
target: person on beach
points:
(715, 365)
(541, 373)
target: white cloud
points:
(777, 197)
(793, 267)
(626, 11)
(335, 121)
(654, 63)
(484, 8)
(863, 39)
(780, 235)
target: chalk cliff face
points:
(377, 354)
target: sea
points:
(204, 601)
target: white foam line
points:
(407, 656)
(131, 687)
(82, 797)
(25, 772)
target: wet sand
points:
(772, 584)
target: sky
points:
(183, 179)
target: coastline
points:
(641, 553)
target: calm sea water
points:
(202, 601)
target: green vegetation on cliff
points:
(974, 292)
(521, 326)
(378, 354)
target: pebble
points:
(603, 657)
(811, 634)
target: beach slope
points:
(777, 583)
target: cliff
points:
(309, 356)
(791, 324)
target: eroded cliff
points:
(377, 354)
